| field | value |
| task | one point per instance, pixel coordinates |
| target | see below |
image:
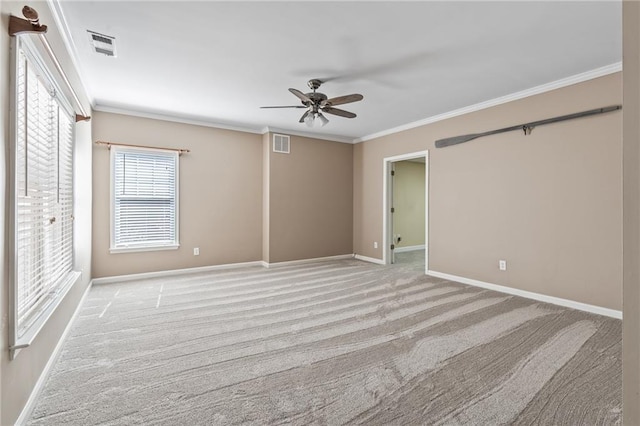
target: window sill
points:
(34, 328)
(115, 250)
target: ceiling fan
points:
(317, 103)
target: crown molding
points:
(176, 119)
(564, 82)
(67, 40)
(558, 84)
(215, 125)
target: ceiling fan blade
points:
(347, 99)
(302, 96)
(304, 116)
(287, 106)
(340, 112)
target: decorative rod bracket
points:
(25, 26)
(527, 129)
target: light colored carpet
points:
(341, 342)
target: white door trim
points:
(386, 204)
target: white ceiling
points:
(218, 62)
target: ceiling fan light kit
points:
(317, 103)
(310, 119)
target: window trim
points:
(142, 247)
(18, 342)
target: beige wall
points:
(19, 376)
(549, 203)
(408, 203)
(220, 186)
(310, 200)
(239, 201)
(631, 213)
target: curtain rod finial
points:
(31, 14)
(82, 118)
(29, 25)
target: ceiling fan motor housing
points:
(317, 97)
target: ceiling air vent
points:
(281, 144)
(103, 44)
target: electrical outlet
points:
(196, 251)
(502, 264)
(375, 244)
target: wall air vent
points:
(103, 44)
(281, 144)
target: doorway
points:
(403, 219)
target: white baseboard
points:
(531, 295)
(369, 259)
(145, 275)
(409, 248)
(37, 389)
(303, 261)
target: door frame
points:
(386, 204)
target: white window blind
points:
(42, 195)
(144, 189)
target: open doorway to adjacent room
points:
(406, 201)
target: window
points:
(144, 188)
(41, 196)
